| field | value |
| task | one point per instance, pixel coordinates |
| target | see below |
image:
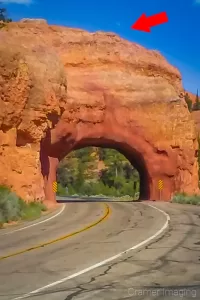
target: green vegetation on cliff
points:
(97, 171)
(3, 17)
(13, 208)
(192, 106)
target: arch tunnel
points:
(150, 164)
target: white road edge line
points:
(37, 223)
(102, 262)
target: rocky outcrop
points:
(195, 113)
(62, 89)
(196, 117)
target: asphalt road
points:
(166, 268)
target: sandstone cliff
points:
(195, 114)
(106, 90)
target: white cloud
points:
(17, 1)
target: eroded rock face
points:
(62, 89)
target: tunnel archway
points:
(92, 171)
(153, 164)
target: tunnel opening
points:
(123, 171)
(97, 172)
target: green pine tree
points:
(196, 105)
(188, 101)
(3, 17)
(197, 100)
(80, 177)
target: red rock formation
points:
(196, 117)
(62, 89)
(195, 114)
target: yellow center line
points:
(107, 212)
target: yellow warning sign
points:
(160, 185)
(55, 186)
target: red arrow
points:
(145, 23)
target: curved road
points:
(83, 266)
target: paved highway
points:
(81, 253)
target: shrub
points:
(2, 219)
(9, 205)
(13, 208)
(61, 190)
(32, 210)
(183, 198)
(125, 198)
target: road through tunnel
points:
(98, 171)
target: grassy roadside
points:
(125, 198)
(13, 208)
(186, 199)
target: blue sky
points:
(178, 40)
